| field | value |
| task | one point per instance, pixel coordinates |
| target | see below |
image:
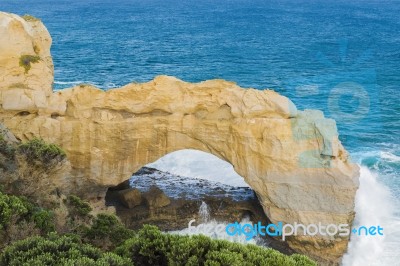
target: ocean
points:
(341, 57)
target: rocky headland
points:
(292, 159)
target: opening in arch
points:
(182, 186)
(199, 164)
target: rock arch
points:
(292, 159)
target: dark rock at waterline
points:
(171, 201)
(130, 197)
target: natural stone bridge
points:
(292, 159)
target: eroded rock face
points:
(26, 66)
(292, 159)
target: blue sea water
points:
(342, 57)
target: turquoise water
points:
(339, 57)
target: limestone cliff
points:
(292, 159)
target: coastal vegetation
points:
(31, 238)
(58, 250)
(150, 246)
(67, 232)
(25, 61)
(38, 150)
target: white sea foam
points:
(390, 156)
(374, 206)
(105, 86)
(68, 82)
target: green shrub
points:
(10, 206)
(44, 220)
(15, 211)
(148, 247)
(224, 258)
(152, 247)
(78, 207)
(57, 250)
(184, 250)
(107, 228)
(302, 260)
(25, 61)
(6, 149)
(38, 150)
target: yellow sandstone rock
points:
(292, 159)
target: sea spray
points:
(204, 212)
(374, 205)
(206, 226)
